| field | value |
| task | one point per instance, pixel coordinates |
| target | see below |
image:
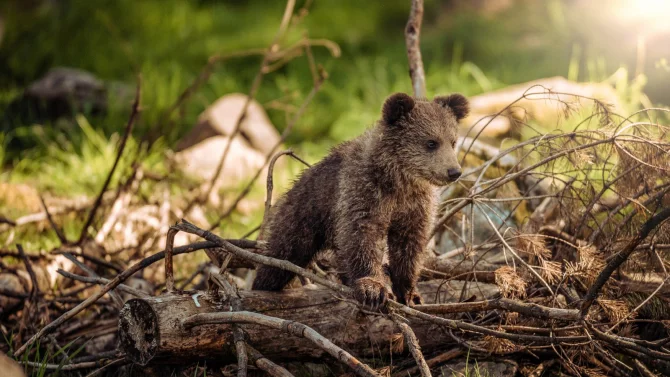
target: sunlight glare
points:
(654, 13)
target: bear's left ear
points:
(396, 106)
(458, 104)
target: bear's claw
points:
(411, 298)
(371, 292)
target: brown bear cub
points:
(371, 195)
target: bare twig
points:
(169, 270)
(621, 257)
(129, 127)
(439, 359)
(413, 345)
(67, 367)
(460, 325)
(257, 258)
(626, 343)
(34, 290)
(643, 370)
(238, 333)
(112, 294)
(529, 309)
(90, 258)
(103, 281)
(270, 186)
(59, 232)
(114, 363)
(266, 365)
(202, 78)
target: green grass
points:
(40, 355)
(469, 371)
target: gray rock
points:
(60, 93)
(67, 89)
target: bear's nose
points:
(454, 173)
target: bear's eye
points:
(432, 145)
(453, 144)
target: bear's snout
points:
(453, 173)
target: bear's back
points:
(307, 209)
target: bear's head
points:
(421, 135)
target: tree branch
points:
(412, 41)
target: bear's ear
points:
(396, 106)
(458, 104)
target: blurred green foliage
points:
(169, 41)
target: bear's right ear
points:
(458, 104)
(396, 106)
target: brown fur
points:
(371, 195)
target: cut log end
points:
(138, 331)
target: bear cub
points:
(372, 195)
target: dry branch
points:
(264, 364)
(621, 257)
(531, 310)
(414, 348)
(238, 333)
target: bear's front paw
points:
(410, 298)
(371, 292)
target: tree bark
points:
(151, 329)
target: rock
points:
(199, 152)
(63, 91)
(471, 367)
(20, 282)
(60, 93)
(13, 283)
(485, 125)
(221, 117)
(9, 367)
(536, 106)
(203, 158)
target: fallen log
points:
(150, 329)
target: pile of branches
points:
(568, 277)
